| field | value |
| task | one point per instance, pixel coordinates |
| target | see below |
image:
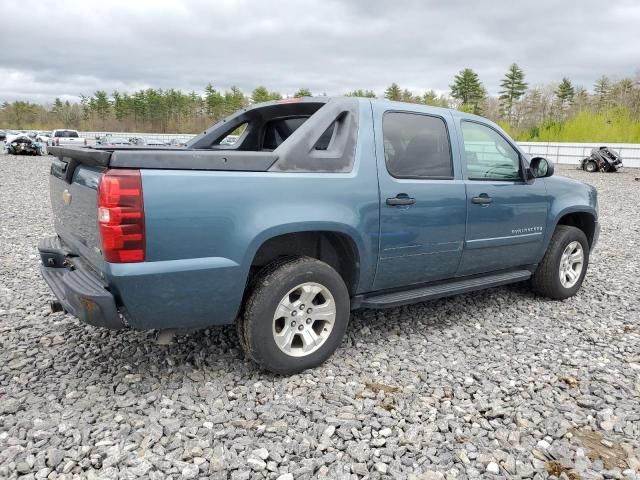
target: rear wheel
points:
(590, 166)
(562, 270)
(295, 316)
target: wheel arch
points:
(337, 247)
(582, 219)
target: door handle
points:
(482, 199)
(401, 199)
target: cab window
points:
(488, 155)
(416, 146)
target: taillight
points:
(85, 141)
(121, 216)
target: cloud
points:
(64, 49)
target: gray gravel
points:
(492, 384)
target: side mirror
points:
(540, 167)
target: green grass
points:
(613, 126)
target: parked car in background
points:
(111, 141)
(176, 142)
(11, 134)
(229, 140)
(321, 206)
(64, 137)
(43, 137)
(147, 142)
(603, 159)
(25, 145)
(103, 140)
(154, 142)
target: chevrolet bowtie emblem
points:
(66, 197)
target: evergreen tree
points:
(214, 102)
(602, 90)
(139, 104)
(84, 104)
(234, 100)
(432, 99)
(393, 92)
(260, 94)
(468, 89)
(362, 93)
(119, 105)
(408, 97)
(57, 106)
(513, 88)
(303, 92)
(624, 86)
(275, 95)
(611, 113)
(100, 105)
(565, 93)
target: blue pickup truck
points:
(315, 207)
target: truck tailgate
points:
(73, 188)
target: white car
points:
(43, 137)
(11, 135)
(154, 142)
(68, 138)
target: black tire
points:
(546, 279)
(590, 166)
(256, 326)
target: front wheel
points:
(562, 270)
(295, 316)
(590, 166)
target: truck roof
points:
(389, 104)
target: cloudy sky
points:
(65, 48)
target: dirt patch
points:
(557, 468)
(570, 381)
(610, 452)
(381, 387)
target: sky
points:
(66, 48)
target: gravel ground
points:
(497, 383)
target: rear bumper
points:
(78, 289)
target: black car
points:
(603, 159)
(25, 145)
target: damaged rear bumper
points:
(79, 290)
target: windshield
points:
(67, 134)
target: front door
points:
(422, 203)
(506, 216)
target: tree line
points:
(553, 112)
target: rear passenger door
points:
(422, 199)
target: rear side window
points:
(416, 146)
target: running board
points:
(455, 287)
